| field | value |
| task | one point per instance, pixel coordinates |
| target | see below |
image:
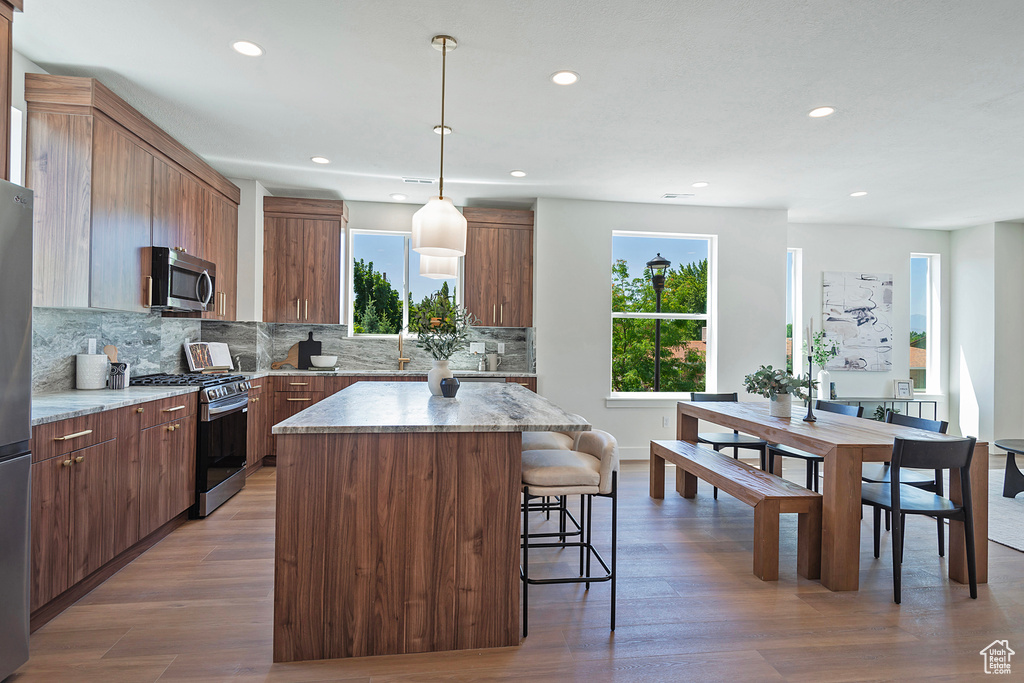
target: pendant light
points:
(439, 267)
(438, 228)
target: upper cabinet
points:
(109, 183)
(499, 267)
(302, 259)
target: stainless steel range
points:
(221, 434)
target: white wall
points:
(875, 250)
(1008, 311)
(20, 65)
(249, 297)
(572, 303)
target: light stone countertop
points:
(377, 407)
(75, 403)
(387, 373)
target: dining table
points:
(845, 443)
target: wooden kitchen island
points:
(398, 519)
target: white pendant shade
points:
(439, 267)
(439, 229)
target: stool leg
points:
(809, 484)
(615, 526)
(583, 505)
(590, 528)
(816, 479)
(717, 449)
(561, 518)
(878, 530)
(526, 558)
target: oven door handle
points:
(217, 411)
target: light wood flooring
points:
(198, 607)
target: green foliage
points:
(441, 324)
(824, 349)
(768, 382)
(918, 340)
(682, 367)
(377, 305)
(880, 412)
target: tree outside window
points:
(684, 318)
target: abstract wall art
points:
(856, 315)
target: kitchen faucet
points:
(401, 361)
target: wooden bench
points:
(768, 494)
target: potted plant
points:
(779, 386)
(442, 327)
(822, 351)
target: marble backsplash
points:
(148, 341)
(152, 343)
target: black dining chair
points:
(878, 472)
(720, 440)
(813, 461)
(900, 499)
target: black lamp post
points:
(657, 266)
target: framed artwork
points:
(903, 388)
(856, 309)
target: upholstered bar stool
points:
(536, 441)
(590, 470)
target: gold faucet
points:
(401, 361)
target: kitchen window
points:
(384, 283)
(686, 333)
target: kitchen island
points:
(398, 519)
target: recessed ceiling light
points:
(320, 160)
(565, 77)
(819, 112)
(447, 130)
(517, 174)
(249, 49)
(858, 193)
(398, 196)
(701, 183)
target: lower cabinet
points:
(73, 518)
(528, 382)
(167, 472)
(261, 419)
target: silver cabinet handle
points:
(298, 399)
(298, 302)
(502, 319)
(494, 313)
(149, 297)
(307, 309)
(68, 437)
(171, 410)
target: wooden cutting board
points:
(292, 359)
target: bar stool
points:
(536, 441)
(591, 470)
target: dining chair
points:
(901, 499)
(720, 440)
(878, 472)
(813, 461)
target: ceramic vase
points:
(781, 406)
(824, 384)
(437, 372)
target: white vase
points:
(781, 406)
(438, 372)
(824, 385)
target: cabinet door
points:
(195, 199)
(480, 288)
(129, 474)
(258, 427)
(122, 187)
(221, 247)
(322, 272)
(182, 457)
(51, 529)
(93, 510)
(282, 270)
(168, 209)
(157, 446)
(515, 259)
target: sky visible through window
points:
(388, 256)
(789, 287)
(637, 251)
(919, 294)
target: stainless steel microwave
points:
(181, 281)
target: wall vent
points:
(677, 195)
(420, 181)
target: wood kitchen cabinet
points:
(302, 259)
(261, 419)
(108, 183)
(222, 248)
(498, 287)
(167, 454)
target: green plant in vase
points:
(822, 351)
(442, 328)
(778, 386)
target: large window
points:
(684, 315)
(794, 352)
(924, 315)
(385, 284)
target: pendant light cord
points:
(444, 66)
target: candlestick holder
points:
(810, 391)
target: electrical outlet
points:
(476, 347)
(501, 347)
(664, 422)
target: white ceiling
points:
(930, 97)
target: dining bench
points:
(768, 494)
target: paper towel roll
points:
(91, 371)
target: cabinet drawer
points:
(528, 382)
(287, 403)
(166, 409)
(299, 383)
(64, 436)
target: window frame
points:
(633, 398)
(797, 275)
(403, 292)
(932, 327)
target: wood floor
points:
(198, 607)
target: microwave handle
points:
(209, 288)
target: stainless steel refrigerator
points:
(15, 421)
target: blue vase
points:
(449, 386)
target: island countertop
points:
(388, 407)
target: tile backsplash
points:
(152, 343)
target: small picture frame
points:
(903, 388)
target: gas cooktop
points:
(186, 380)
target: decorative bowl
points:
(323, 361)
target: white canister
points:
(91, 370)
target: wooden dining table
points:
(845, 442)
